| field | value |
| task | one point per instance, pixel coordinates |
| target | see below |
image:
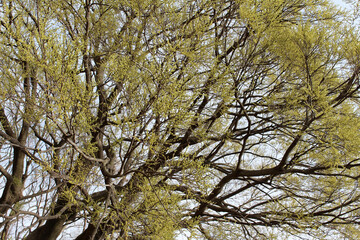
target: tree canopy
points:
(176, 119)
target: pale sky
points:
(340, 3)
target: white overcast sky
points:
(340, 3)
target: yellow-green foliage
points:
(153, 119)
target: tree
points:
(156, 119)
